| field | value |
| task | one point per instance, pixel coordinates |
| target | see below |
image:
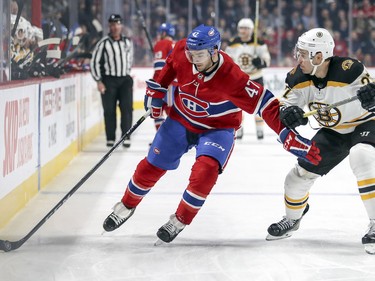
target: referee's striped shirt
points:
(112, 58)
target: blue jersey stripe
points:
(159, 64)
(267, 96)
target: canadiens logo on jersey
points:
(195, 107)
(347, 64)
(328, 118)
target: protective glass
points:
(197, 57)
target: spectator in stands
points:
(307, 17)
(341, 48)
(288, 44)
(369, 45)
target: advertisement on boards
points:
(91, 110)
(59, 117)
(18, 136)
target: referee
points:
(111, 63)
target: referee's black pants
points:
(119, 90)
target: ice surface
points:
(226, 241)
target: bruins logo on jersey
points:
(347, 64)
(245, 61)
(329, 118)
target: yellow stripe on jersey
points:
(353, 124)
(368, 196)
(336, 84)
(236, 45)
(303, 85)
(366, 182)
(329, 84)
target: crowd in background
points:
(285, 23)
(280, 23)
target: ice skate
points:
(260, 134)
(126, 143)
(119, 215)
(239, 133)
(369, 239)
(169, 231)
(285, 227)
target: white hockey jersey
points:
(243, 53)
(345, 77)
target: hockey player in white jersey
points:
(321, 79)
(252, 56)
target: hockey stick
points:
(19, 12)
(7, 246)
(141, 18)
(256, 25)
(328, 107)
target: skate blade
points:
(370, 248)
(159, 242)
(271, 237)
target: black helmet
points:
(115, 18)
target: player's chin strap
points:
(315, 66)
(215, 65)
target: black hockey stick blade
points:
(8, 246)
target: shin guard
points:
(144, 178)
(362, 162)
(204, 174)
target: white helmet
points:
(22, 30)
(245, 22)
(317, 40)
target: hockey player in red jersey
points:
(162, 49)
(348, 130)
(212, 92)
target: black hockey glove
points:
(259, 63)
(292, 116)
(366, 96)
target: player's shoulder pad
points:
(234, 41)
(230, 68)
(181, 44)
(261, 42)
(344, 69)
(296, 77)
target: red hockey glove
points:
(154, 98)
(299, 146)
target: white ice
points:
(226, 241)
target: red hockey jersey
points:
(215, 101)
(162, 49)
